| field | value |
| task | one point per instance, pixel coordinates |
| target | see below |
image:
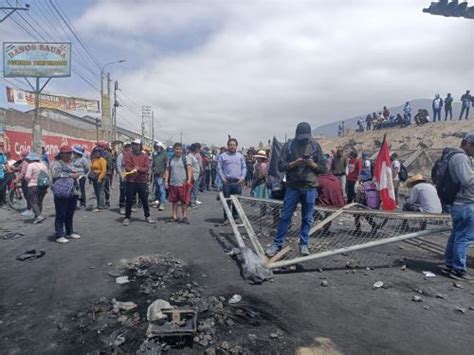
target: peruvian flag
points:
(383, 177)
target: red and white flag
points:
(383, 177)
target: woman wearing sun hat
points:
(260, 172)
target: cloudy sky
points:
(255, 69)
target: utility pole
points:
(114, 112)
(153, 127)
(146, 111)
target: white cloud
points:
(255, 69)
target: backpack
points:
(43, 179)
(403, 173)
(63, 188)
(446, 188)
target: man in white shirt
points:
(395, 170)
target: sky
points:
(254, 69)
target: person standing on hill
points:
(466, 102)
(407, 111)
(437, 105)
(368, 122)
(448, 107)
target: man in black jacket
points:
(302, 160)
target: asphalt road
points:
(37, 296)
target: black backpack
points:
(403, 173)
(446, 188)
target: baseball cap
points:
(469, 137)
(137, 141)
(65, 149)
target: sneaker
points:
(97, 210)
(122, 210)
(272, 250)
(460, 275)
(38, 219)
(62, 240)
(172, 220)
(192, 205)
(125, 222)
(185, 220)
(149, 220)
(198, 202)
(74, 236)
(446, 270)
(161, 208)
(156, 202)
(304, 251)
(26, 213)
(134, 209)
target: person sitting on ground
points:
(178, 181)
(97, 174)
(37, 178)
(420, 118)
(423, 196)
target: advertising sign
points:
(19, 141)
(36, 59)
(65, 103)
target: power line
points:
(70, 26)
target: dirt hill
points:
(430, 136)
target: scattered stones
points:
(416, 298)
(114, 273)
(225, 345)
(273, 335)
(119, 340)
(461, 310)
(471, 308)
(122, 306)
(324, 283)
(320, 270)
(457, 285)
(235, 299)
(122, 280)
(377, 285)
(403, 267)
(440, 296)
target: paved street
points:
(40, 297)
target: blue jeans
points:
(307, 198)
(99, 190)
(160, 193)
(218, 183)
(228, 189)
(463, 232)
(195, 189)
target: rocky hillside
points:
(330, 129)
(432, 135)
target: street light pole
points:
(102, 89)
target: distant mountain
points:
(330, 129)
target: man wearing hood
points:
(302, 160)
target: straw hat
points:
(261, 154)
(415, 178)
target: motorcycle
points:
(15, 197)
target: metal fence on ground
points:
(334, 231)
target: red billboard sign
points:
(19, 141)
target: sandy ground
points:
(39, 298)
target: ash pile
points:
(161, 309)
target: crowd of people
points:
(385, 119)
(298, 173)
